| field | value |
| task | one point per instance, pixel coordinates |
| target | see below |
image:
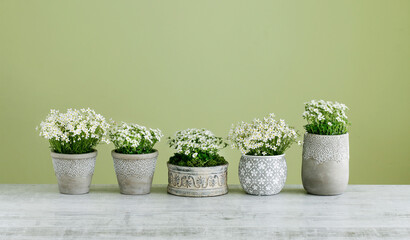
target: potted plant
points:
(134, 156)
(325, 164)
(73, 137)
(263, 142)
(196, 169)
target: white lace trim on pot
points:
(324, 148)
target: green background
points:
(206, 64)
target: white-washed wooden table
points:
(363, 212)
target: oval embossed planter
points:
(262, 175)
(134, 171)
(74, 171)
(197, 181)
(325, 164)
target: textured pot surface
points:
(135, 171)
(262, 175)
(74, 171)
(197, 181)
(325, 164)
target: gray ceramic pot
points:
(197, 181)
(262, 175)
(135, 171)
(325, 164)
(74, 171)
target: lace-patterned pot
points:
(262, 175)
(134, 171)
(197, 181)
(325, 164)
(74, 171)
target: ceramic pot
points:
(197, 181)
(74, 171)
(262, 175)
(134, 171)
(325, 164)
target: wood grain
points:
(363, 212)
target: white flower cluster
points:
(192, 141)
(75, 125)
(325, 112)
(133, 136)
(262, 137)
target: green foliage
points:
(74, 132)
(74, 146)
(263, 137)
(196, 148)
(144, 147)
(326, 118)
(131, 138)
(203, 159)
(325, 129)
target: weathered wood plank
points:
(363, 212)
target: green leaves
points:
(203, 159)
(131, 138)
(325, 129)
(74, 145)
(326, 118)
(141, 149)
(193, 141)
(263, 137)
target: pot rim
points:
(199, 168)
(124, 156)
(271, 156)
(74, 156)
(340, 135)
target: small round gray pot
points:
(262, 175)
(325, 164)
(134, 171)
(197, 181)
(74, 171)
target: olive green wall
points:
(206, 64)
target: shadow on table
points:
(163, 189)
(116, 189)
(293, 190)
(290, 190)
(105, 189)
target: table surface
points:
(362, 212)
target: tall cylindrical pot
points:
(197, 181)
(262, 175)
(74, 171)
(325, 163)
(134, 171)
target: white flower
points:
(318, 113)
(74, 125)
(133, 136)
(266, 133)
(195, 140)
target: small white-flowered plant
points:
(263, 137)
(191, 142)
(326, 118)
(74, 132)
(133, 138)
